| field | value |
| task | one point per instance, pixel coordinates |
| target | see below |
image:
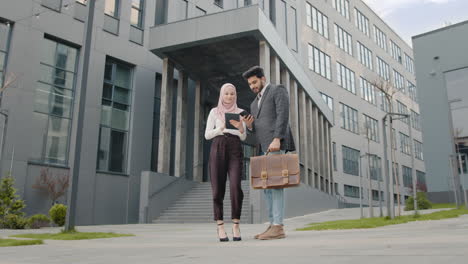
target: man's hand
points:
(237, 125)
(275, 145)
(249, 121)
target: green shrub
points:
(11, 207)
(38, 221)
(421, 198)
(13, 221)
(58, 213)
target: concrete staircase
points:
(196, 206)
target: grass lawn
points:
(443, 205)
(381, 221)
(73, 235)
(16, 242)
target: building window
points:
(409, 63)
(319, 62)
(345, 78)
(342, 6)
(351, 191)
(335, 167)
(383, 69)
(399, 81)
(415, 120)
(111, 7)
(115, 115)
(421, 178)
(350, 161)
(412, 91)
(385, 105)
(365, 56)
(407, 176)
(219, 3)
(136, 15)
(380, 38)
(362, 22)
(405, 144)
(4, 43)
(54, 100)
(156, 118)
(343, 40)
(418, 150)
(317, 20)
(349, 118)
(375, 165)
(368, 91)
(328, 100)
(396, 51)
(372, 128)
(402, 109)
(376, 197)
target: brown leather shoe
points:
(257, 235)
(275, 232)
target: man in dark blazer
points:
(269, 121)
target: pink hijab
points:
(227, 108)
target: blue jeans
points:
(275, 202)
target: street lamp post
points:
(456, 180)
(462, 176)
(389, 180)
(3, 112)
(360, 186)
(72, 193)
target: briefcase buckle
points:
(285, 173)
(264, 175)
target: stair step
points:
(196, 205)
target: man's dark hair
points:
(254, 71)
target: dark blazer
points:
(272, 118)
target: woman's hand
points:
(237, 124)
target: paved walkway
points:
(444, 241)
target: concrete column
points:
(165, 117)
(330, 158)
(284, 78)
(304, 153)
(315, 140)
(181, 126)
(321, 150)
(198, 136)
(327, 154)
(309, 140)
(293, 113)
(275, 69)
(265, 59)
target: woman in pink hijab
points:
(226, 158)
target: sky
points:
(413, 17)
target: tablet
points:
(230, 116)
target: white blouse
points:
(214, 124)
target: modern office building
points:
(442, 73)
(155, 72)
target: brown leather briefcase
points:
(274, 171)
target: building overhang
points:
(219, 47)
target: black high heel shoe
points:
(234, 238)
(224, 239)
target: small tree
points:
(55, 185)
(10, 204)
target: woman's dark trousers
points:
(226, 158)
